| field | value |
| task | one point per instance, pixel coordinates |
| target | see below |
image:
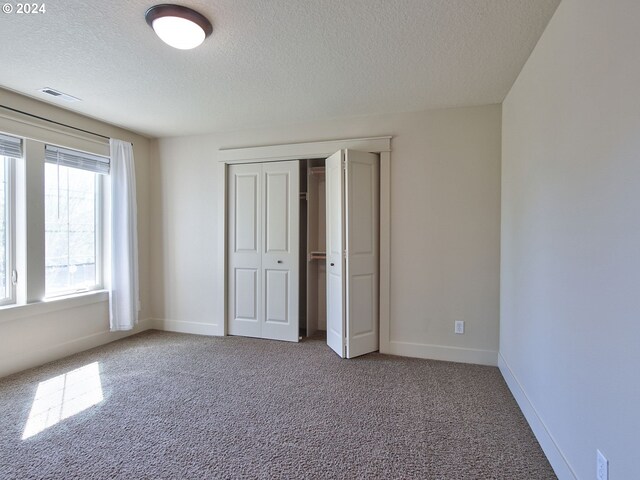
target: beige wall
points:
(570, 307)
(34, 334)
(445, 211)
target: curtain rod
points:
(53, 121)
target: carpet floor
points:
(162, 405)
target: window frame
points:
(28, 220)
(10, 206)
(99, 229)
(100, 204)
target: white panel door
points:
(245, 250)
(362, 256)
(352, 252)
(334, 179)
(281, 245)
(263, 241)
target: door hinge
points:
(14, 277)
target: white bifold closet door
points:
(352, 220)
(263, 244)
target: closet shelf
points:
(303, 195)
(317, 256)
(316, 170)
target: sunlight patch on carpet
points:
(64, 396)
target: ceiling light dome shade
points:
(178, 26)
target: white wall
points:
(34, 334)
(445, 210)
(570, 305)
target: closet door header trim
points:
(296, 151)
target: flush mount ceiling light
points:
(178, 26)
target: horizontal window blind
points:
(75, 159)
(10, 146)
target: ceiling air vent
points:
(60, 95)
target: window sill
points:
(9, 313)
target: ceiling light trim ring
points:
(170, 10)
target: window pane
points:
(4, 230)
(70, 229)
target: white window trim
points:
(11, 227)
(29, 297)
(28, 247)
(9, 313)
(27, 127)
(99, 242)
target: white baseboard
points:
(197, 328)
(439, 352)
(549, 446)
(37, 357)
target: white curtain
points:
(123, 288)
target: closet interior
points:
(313, 269)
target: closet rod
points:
(53, 121)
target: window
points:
(6, 254)
(62, 252)
(72, 221)
(10, 147)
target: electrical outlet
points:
(602, 472)
(459, 327)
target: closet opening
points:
(305, 243)
(313, 271)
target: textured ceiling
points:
(271, 61)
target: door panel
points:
(246, 218)
(245, 259)
(362, 239)
(335, 328)
(360, 210)
(280, 254)
(246, 287)
(277, 296)
(334, 179)
(277, 222)
(362, 291)
(334, 209)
